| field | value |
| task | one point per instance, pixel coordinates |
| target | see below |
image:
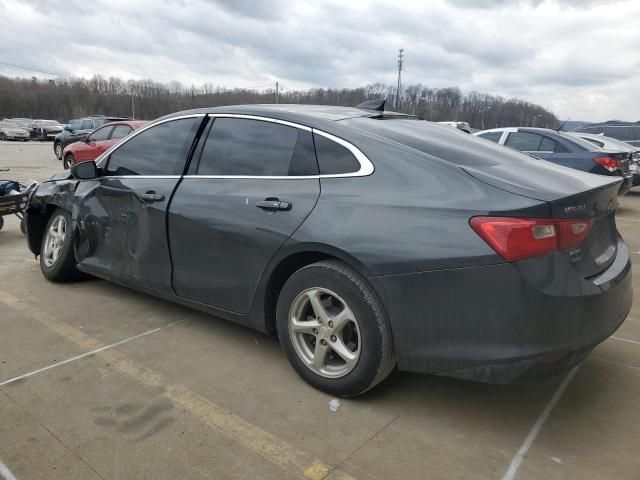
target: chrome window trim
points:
(108, 152)
(366, 166)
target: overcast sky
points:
(580, 58)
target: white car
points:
(11, 131)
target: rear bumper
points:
(498, 323)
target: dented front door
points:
(122, 229)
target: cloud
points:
(576, 57)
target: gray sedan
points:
(11, 131)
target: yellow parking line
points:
(275, 450)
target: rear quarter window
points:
(333, 158)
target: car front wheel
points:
(69, 161)
(333, 329)
(57, 260)
(57, 149)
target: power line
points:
(33, 69)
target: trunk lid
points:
(570, 194)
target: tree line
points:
(66, 98)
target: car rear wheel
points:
(333, 329)
(57, 149)
(57, 260)
(3, 137)
(69, 161)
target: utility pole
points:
(400, 63)
(277, 93)
(482, 115)
(133, 108)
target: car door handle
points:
(273, 204)
(152, 197)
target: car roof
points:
(296, 112)
(135, 124)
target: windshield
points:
(8, 125)
(48, 122)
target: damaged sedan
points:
(365, 239)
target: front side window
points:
(120, 131)
(76, 124)
(493, 136)
(524, 141)
(100, 135)
(87, 125)
(243, 147)
(333, 158)
(159, 150)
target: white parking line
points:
(6, 473)
(87, 354)
(625, 340)
(533, 433)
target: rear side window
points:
(245, 147)
(333, 158)
(524, 141)
(120, 131)
(636, 133)
(493, 136)
(160, 150)
(87, 125)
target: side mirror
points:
(67, 128)
(84, 170)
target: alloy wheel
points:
(54, 241)
(324, 332)
(58, 150)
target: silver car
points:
(11, 131)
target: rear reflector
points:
(519, 238)
(610, 163)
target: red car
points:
(98, 141)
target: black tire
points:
(69, 161)
(55, 150)
(377, 354)
(1, 223)
(64, 269)
(22, 226)
(3, 137)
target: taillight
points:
(610, 163)
(519, 238)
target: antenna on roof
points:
(563, 124)
(375, 105)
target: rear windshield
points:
(440, 141)
(587, 145)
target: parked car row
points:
(365, 239)
(25, 129)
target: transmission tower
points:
(400, 63)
